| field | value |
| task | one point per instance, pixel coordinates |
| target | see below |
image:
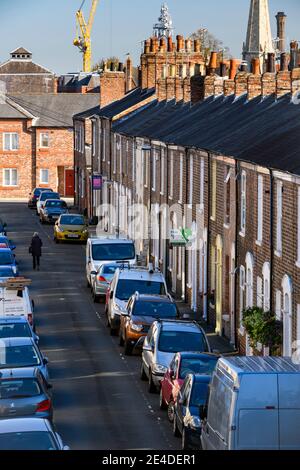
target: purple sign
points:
(97, 182)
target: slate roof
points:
(21, 50)
(55, 110)
(22, 66)
(265, 132)
(7, 111)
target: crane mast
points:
(83, 37)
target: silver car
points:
(101, 279)
(24, 392)
(29, 434)
(16, 353)
(164, 339)
(16, 327)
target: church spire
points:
(259, 37)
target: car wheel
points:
(95, 297)
(127, 349)
(171, 411)
(176, 431)
(143, 375)
(162, 403)
(151, 385)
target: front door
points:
(69, 183)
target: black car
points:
(52, 209)
(3, 226)
(33, 197)
(187, 422)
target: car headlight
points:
(195, 422)
(14, 268)
(117, 310)
(135, 327)
(159, 369)
(60, 229)
(45, 212)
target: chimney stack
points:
(180, 43)
(281, 26)
(234, 63)
(223, 69)
(128, 74)
(294, 55)
(147, 45)
(162, 45)
(284, 62)
(212, 63)
(271, 63)
(197, 45)
(256, 66)
(170, 44)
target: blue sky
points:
(47, 27)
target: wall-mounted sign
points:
(97, 182)
(180, 237)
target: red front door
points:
(69, 183)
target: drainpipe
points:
(271, 237)
(205, 294)
(236, 287)
(168, 220)
(187, 172)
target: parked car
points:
(3, 227)
(141, 311)
(71, 227)
(7, 272)
(33, 197)
(182, 364)
(7, 259)
(107, 250)
(16, 327)
(24, 392)
(125, 283)
(52, 209)
(164, 339)
(6, 243)
(187, 422)
(102, 279)
(16, 302)
(253, 404)
(29, 434)
(43, 198)
(22, 353)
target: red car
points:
(183, 363)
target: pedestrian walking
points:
(36, 250)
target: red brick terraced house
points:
(37, 142)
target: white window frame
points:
(260, 209)
(10, 170)
(243, 203)
(154, 158)
(133, 149)
(104, 144)
(242, 282)
(41, 179)
(287, 316)
(180, 179)
(279, 187)
(191, 180)
(115, 155)
(213, 190)
(171, 175)
(266, 286)
(259, 290)
(202, 175)
(278, 305)
(11, 134)
(41, 140)
(249, 280)
(146, 166)
(94, 138)
(298, 323)
(298, 231)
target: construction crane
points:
(83, 37)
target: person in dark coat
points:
(36, 250)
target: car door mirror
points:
(36, 339)
(13, 247)
(203, 412)
(147, 348)
(94, 273)
(45, 361)
(49, 386)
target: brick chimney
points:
(241, 83)
(112, 87)
(283, 83)
(129, 80)
(268, 84)
(254, 86)
(187, 90)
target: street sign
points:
(180, 237)
(97, 181)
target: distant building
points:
(164, 27)
(21, 75)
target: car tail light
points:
(43, 406)
(30, 319)
(102, 279)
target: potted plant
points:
(263, 327)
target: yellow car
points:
(71, 227)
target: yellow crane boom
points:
(83, 40)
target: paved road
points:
(99, 400)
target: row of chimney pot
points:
(155, 45)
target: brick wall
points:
(24, 84)
(112, 87)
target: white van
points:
(254, 404)
(103, 250)
(15, 300)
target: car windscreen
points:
(38, 191)
(179, 341)
(113, 251)
(19, 388)
(72, 220)
(199, 394)
(4, 243)
(6, 258)
(127, 287)
(45, 196)
(55, 204)
(155, 309)
(30, 440)
(15, 330)
(197, 365)
(18, 356)
(109, 269)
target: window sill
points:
(213, 219)
(227, 226)
(242, 234)
(162, 194)
(44, 149)
(171, 198)
(212, 306)
(190, 206)
(278, 253)
(189, 286)
(241, 330)
(258, 243)
(297, 264)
